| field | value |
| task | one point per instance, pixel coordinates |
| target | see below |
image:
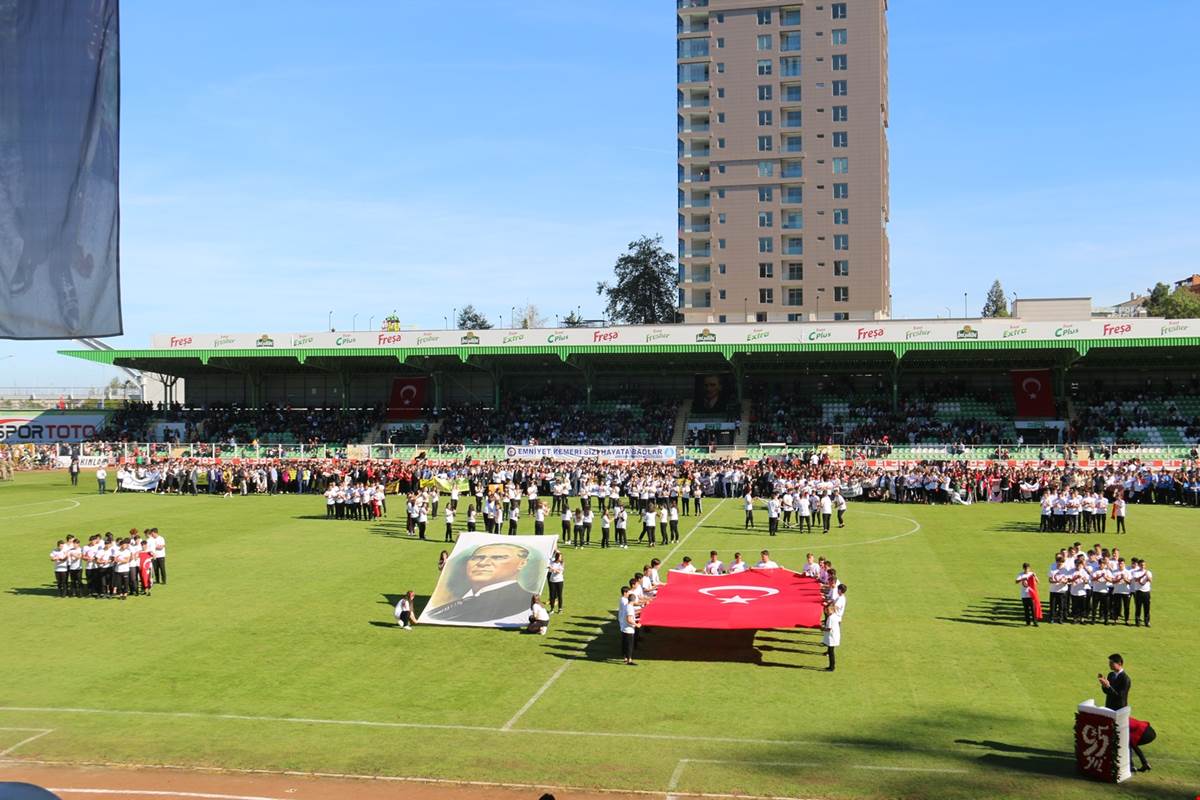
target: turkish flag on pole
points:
(754, 599)
(1033, 392)
(408, 398)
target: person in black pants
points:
(1141, 592)
(554, 580)
(1117, 685)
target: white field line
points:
(688, 535)
(386, 779)
(161, 793)
(38, 733)
(537, 695)
(821, 541)
(75, 505)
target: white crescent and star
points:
(408, 394)
(1037, 387)
(736, 597)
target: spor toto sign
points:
(47, 428)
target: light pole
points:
(964, 305)
(512, 312)
(371, 323)
(454, 316)
(445, 322)
(820, 292)
(949, 313)
(330, 326)
(354, 322)
(745, 308)
(1013, 310)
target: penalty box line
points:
(37, 734)
(677, 775)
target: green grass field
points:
(273, 647)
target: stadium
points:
(751, 532)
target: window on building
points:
(721, 117)
(761, 316)
(792, 94)
(793, 220)
(720, 42)
(841, 294)
(764, 144)
(721, 219)
(794, 245)
(838, 36)
(764, 91)
(766, 169)
(720, 144)
(720, 91)
(721, 169)
(720, 17)
(841, 139)
(766, 269)
(793, 194)
(795, 297)
(720, 244)
(720, 67)
(841, 269)
(790, 67)
(765, 118)
(764, 66)
(766, 219)
(841, 191)
(720, 269)
(720, 318)
(721, 294)
(766, 296)
(793, 169)
(795, 271)
(764, 42)
(793, 118)
(841, 113)
(841, 316)
(841, 241)
(840, 62)
(765, 194)
(764, 16)
(840, 89)
(841, 216)
(789, 16)
(839, 10)
(789, 42)
(841, 166)
(721, 193)
(793, 144)
(766, 244)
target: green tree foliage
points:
(469, 319)
(995, 305)
(645, 289)
(572, 320)
(1182, 303)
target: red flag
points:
(1033, 392)
(1032, 583)
(408, 398)
(754, 599)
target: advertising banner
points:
(707, 389)
(85, 462)
(598, 453)
(22, 428)
(489, 580)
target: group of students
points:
(108, 567)
(361, 501)
(643, 587)
(1087, 587)
(1080, 511)
(809, 507)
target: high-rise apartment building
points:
(783, 160)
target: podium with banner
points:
(1102, 742)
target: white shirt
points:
(538, 612)
(1024, 577)
(738, 566)
(556, 572)
(627, 617)
(685, 568)
(1144, 580)
(59, 557)
(766, 564)
(714, 567)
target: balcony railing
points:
(697, 228)
(694, 102)
(696, 153)
(691, 3)
(694, 127)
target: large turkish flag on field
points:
(408, 398)
(1033, 392)
(754, 599)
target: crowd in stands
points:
(219, 422)
(548, 421)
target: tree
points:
(471, 320)
(645, 288)
(1182, 303)
(573, 320)
(996, 305)
(529, 317)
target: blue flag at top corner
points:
(59, 167)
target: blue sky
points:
(282, 160)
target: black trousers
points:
(825, 522)
(749, 519)
(75, 588)
(1120, 606)
(1100, 604)
(556, 591)
(627, 645)
(603, 537)
(621, 540)
(1058, 607)
(1141, 606)
(674, 530)
(772, 525)
(1079, 606)
(1027, 607)
(1120, 525)
(539, 528)
(60, 578)
(832, 653)
(449, 532)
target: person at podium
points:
(1116, 686)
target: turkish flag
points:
(754, 599)
(408, 398)
(1033, 392)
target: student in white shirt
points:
(514, 516)
(1121, 591)
(737, 565)
(673, 519)
(471, 515)
(627, 618)
(833, 626)
(539, 617)
(1057, 579)
(803, 513)
(826, 512)
(405, 617)
(449, 523)
(1141, 595)
(714, 565)
(765, 562)
(554, 580)
(686, 566)
(839, 503)
(1023, 579)
(1119, 510)
(58, 556)
(619, 524)
(748, 507)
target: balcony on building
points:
(692, 48)
(693, 99)
(691, 4)
(691, 23)
(692, 123)
(792, 169)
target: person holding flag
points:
(1030, 600)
